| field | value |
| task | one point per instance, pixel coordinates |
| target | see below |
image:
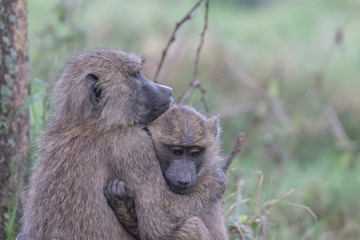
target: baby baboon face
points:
(184, 140)
(180, 165)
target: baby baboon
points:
(100, 101)
(187, 147)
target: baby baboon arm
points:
(120, 198)
(211, 186)
(207, 191)
(191, 228)
(158, 209)
(214, 221)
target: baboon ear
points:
(213, 124)
(95, 91)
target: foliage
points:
(284, 72)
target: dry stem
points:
(195, 83)
(172, 38)
(236, 149)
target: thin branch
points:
(236, 149)
(206, 106)
(203, 100)
(173, 56)
(172, 38)
(271, 203)
(189, 89)
(202, 36)
(261, 180)
(182, 99)
(302, 207)
(336, 126)
(234, 205)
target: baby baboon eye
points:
(177, 151)
(135, 74)
(195, 152)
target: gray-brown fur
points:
(154, 201)
(94, 137)
(181, 126)
(185, 126)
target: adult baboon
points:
(100, 101)
(187, 147)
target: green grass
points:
(287, 49)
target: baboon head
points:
(106, 86)
(185, 143)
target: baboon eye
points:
(195, 152)
(135, 74)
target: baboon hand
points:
(117, 188)
(120, 197)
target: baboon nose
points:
(183, 180)
(169, 91)
(183, 183)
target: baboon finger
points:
(129, 191)
(116, 188)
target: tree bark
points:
(14, 116)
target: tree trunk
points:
(14, 116)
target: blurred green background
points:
(284, 72)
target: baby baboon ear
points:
(213, 125)
(94, 89)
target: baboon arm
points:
(214, 221)
(120, 198)
(191, 228)
(173, 207)
(211, 187)
(207, 191)
(123, 216)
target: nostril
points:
(183, 183)
(170, 92)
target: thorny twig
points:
(192, 84)
(172, 38)
(236, 149)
